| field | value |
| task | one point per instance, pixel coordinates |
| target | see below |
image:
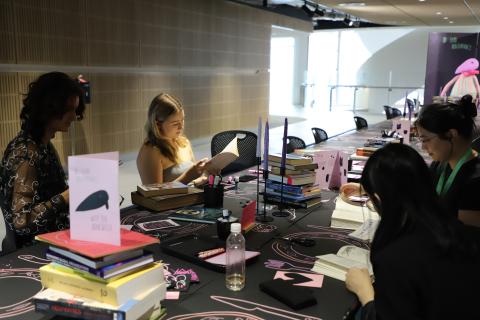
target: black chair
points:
(319, 135)
(295, 143)
(392, 112)
(9, 243)
(247, 149)
(396, 113)
(360, 122)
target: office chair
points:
(295, 143)
(9, 243)
(396, 113)
(388, 112)
(247, 149)
(319, 135)
(360, 122)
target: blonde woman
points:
(166, 155)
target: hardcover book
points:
(105, 274)
(144, 306)
(167, 202)
(292, 159)
(129, 240)
(160, 189)
(115, 293)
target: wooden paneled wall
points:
(212, 54)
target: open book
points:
(337, 265)
(224, 158)
(349, 216)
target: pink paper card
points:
(402, 126)
(326, 161)
(248, 215)
(94, 206)
(312, 280)
(340, 170)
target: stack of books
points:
(159, 197)
(88, 280)
(299, 189)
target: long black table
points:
(209, 299)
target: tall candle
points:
(284, 145)
(265, 147)
(259, 138)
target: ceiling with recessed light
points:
(379, 12)
(412, 12)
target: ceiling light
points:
(450, 21)
(439, 13)
(352, 4)
(422, 0)
(445, 18)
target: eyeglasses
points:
(424, 139)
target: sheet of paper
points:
(94, 204)
(224, 158)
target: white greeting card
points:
(94, 206)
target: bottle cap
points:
(225, 213)
(235, 227)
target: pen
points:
(210, 253)
(217, 181)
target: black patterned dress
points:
(31, 180)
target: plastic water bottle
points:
(235, 273)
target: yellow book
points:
(115, 293)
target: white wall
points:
(406, 58)
(378, 57)
(300, 60)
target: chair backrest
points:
(319, 135)
(9, 243)
(388, 112)
(396, 113)
(360, 122)
(295, 143)
(247, 148)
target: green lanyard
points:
(442, 186)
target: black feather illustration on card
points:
(94, 201)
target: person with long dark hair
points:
(446, 132)
(34, 193)
(166, 155)
(425, 261)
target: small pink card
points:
(94, 204)
(312, 280)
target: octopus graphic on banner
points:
(26, 278)
(465, 81)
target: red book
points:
(129, 240)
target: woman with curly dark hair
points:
(34, 194)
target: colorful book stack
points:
(299, 189)
(88, 280)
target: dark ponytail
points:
(440, 117)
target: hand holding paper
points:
(224, 158)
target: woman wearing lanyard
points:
(445, 131)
